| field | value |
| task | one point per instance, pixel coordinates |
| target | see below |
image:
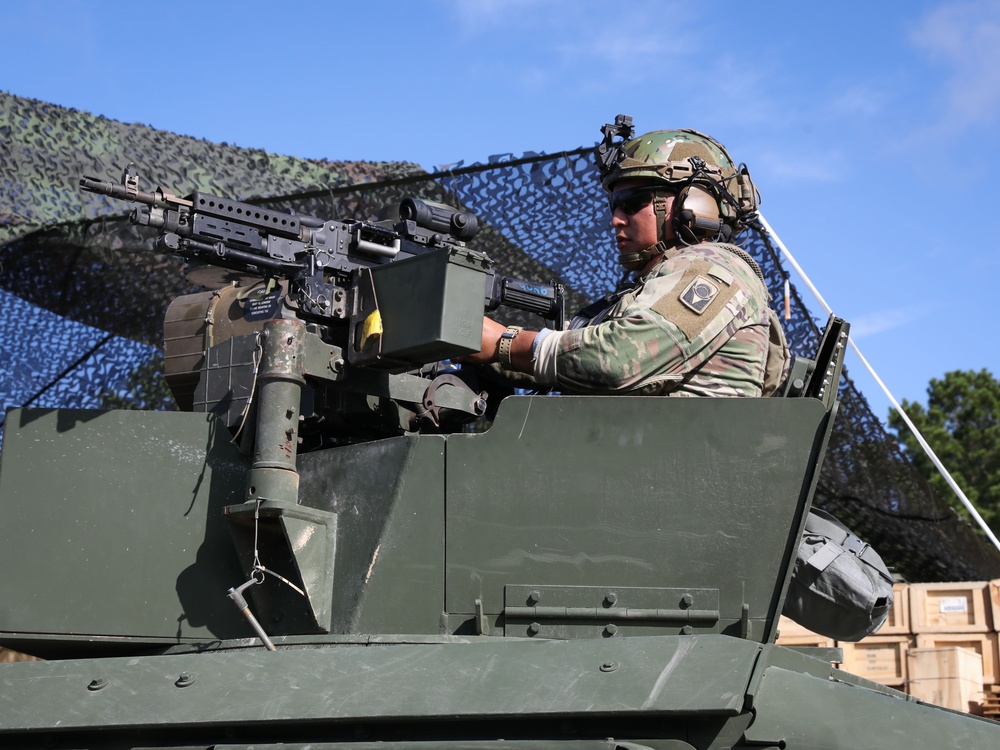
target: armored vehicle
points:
(342, 542)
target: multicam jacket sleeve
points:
(696, 325)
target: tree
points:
(961, 423)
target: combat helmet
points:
(714, 196)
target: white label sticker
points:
(954, 605)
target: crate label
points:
(954, 605)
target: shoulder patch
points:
(698, 295)
(700, 299)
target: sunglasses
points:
(632, 200)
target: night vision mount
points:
(610, 152)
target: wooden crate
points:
(994, 594)
(880, 658)
(6, 656)
(950, 608)
(991, 702)
(984, 644)
(898, 621)
(950, 677)
(812, 641)
(788, 628)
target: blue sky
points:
(870, 128)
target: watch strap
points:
(506, 342)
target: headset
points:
(696, 216)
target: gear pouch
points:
(840, 587)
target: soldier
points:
(694, 320)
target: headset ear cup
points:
(696, 214)
(681, 218)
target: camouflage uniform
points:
(696, 325)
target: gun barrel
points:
(113, 189)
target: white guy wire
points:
(899, 410)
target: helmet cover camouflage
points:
(681, 158)
(663, 156)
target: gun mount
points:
(589, 572)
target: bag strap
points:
(822, 523)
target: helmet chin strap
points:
(637, 260)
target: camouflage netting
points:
(104, 290)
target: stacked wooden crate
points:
(958, 615)
(991, 702)
(6, 655)
(937, 640)
(950, 677)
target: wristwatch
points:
(506, 341)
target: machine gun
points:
(379, 305)
(321, 259)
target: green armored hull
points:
(591, 572)
(698, 691)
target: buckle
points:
(854, 545)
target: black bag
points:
(840, 587)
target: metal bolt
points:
(687, 630)
(609, 666)
(533, 598)
(686, 601)
(534, 628)
(610, 599)
(610, 630)
(185, 679)
(98, 683)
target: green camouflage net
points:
(85, 293)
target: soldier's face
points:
(635, 231)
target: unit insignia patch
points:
(698, 295)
